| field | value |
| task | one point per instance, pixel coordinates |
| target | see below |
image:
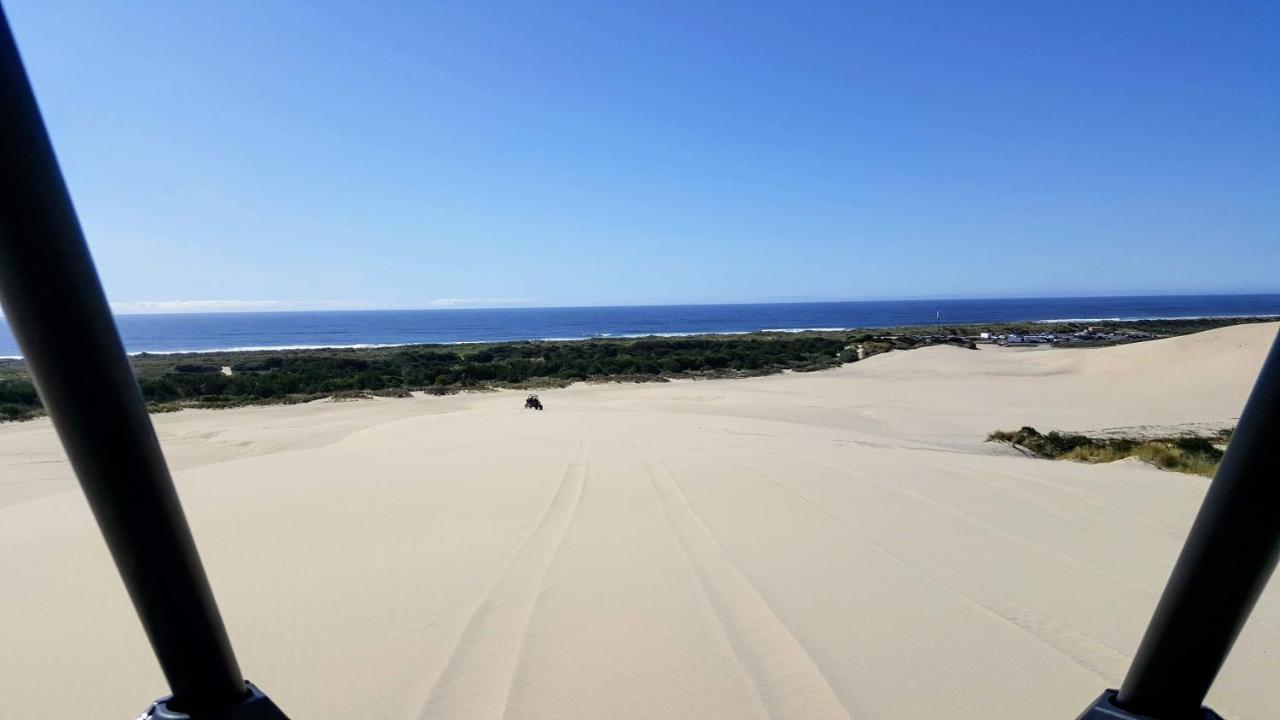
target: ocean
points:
(242, 331)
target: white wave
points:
(687, 334)
(1078, 320)
(807, 329)
(268, 348)
(1136, 318)
(368, 346)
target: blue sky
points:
(305, 155)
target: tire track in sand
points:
(1102, 661)
(786, 679)
(1145, 590)
(477, 676)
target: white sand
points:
(838, 544)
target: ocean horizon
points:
(240, 331)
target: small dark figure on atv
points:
(532, 402)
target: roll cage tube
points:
(58, 313)
(1229, 555)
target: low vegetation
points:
(1197, 454)
(18, 399)
(171, 382)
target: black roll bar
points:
(1229, 555)
(57, 310)
(1225, 564)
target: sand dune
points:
(829, 545)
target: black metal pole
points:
(1228, 557)
(59, 315)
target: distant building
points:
(1028, 340)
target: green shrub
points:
(19, 400)
(1186, 453)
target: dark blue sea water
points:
(221, 331)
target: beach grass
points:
(1189, 453)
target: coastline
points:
(1218, 320)
(339, 329)
(1263, 317)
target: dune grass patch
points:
(1189, 453)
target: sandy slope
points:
(830, 545)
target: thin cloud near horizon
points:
(156, 307)
(160, 307)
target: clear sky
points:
(287, 155)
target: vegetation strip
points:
(225, 379)
(1196, 454)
